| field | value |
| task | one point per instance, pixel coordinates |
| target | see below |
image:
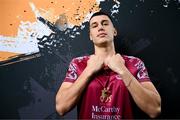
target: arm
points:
(144, 94)
(69, 93)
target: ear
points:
(90, 36)
(115, 32)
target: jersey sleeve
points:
(142, 74)
(72, 72)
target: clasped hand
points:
(115, 63)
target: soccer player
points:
(102, 84)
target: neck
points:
(105, 52)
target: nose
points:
(100, 28)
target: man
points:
(101, 84)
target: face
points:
(102, 30)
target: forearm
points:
(66, 98)
(148, 100)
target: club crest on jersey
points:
(105, 95)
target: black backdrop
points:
(147, 29)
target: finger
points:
(118, 55)
(92, 55)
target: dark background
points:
(148, 29)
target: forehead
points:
(99, 18)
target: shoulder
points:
(131, 58)
(79, 63)
(134, 61)
(80, 59)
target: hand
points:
(94, 64)
(116, 63)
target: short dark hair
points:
(101, 13)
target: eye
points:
(93, 25)
(105, 23)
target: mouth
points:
(101, 35)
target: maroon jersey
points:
(106, 96)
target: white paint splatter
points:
(36, 12)
(87, 17)
(115, 8)
(82, 27)
(26, 40)
(98, 1)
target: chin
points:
(102, 44)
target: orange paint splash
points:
(12, 13)
(6, 55)
(15, 11)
